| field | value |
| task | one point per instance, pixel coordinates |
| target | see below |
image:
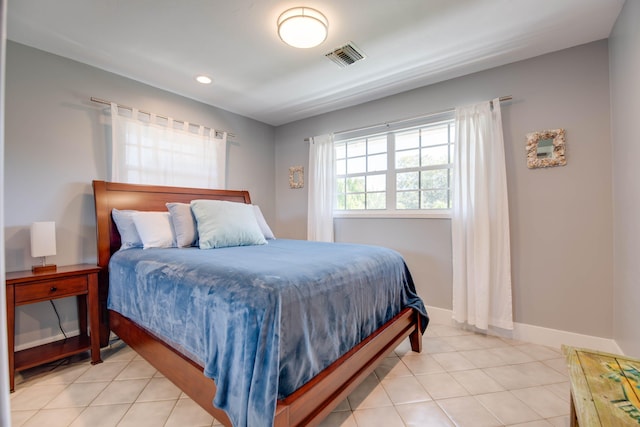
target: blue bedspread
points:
(262, 320)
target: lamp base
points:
(49, 268)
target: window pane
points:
(405, 140)
(377, 200)
(435, 199)
(356, 165)
(435, 135)
(357, 148)
(376, 183)
(407, 159)
(341, 167)
(355, 201)
(437, 178)
(355, 184)
(340, 201)
(435, 155)
(377, 162)
(407, 181)
(408, 200)
(340, 185)
(341, 150)
(378, 145)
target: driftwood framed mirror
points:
(296, 177)
(546, 149)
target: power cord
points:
(58, 316)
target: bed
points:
(309, 403)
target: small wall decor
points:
(546, 149)
(296, 177)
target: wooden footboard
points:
(308, 405)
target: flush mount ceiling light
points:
(205, 80)
(302, 27)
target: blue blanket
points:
(262, 320)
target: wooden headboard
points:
(109, 195)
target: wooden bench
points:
(605, 388)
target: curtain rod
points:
(407, 119)
(126, 107)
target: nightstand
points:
(26, 287)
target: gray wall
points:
(56, 144)
(624, 46)
(561, 218)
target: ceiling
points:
(407, 43)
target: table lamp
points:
(43, 244)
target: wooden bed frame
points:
(308, 405)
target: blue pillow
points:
(222, 224)
(129, 237)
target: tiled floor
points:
(461, 379)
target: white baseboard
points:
(46, 340)
(537, 334)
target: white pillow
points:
(184, 224)
(262, 223)
(154, 229)
(129, 237)
(222, 224)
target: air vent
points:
(345, 55)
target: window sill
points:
(435, 214)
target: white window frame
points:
(391, 211)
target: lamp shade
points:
(43, 239)
(302, 27)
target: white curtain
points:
(321, 182)
(147, 150)
(480, 220)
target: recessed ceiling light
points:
(302, 27)
(205, 80)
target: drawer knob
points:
(53, 289)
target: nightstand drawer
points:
(51, 289)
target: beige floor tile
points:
(147, 414)
(423, 414)
(18, 418)
(118, 352)
(562, 390)
(405, 390)
(101, 416)
(159, 389)
(559, 364)
(525, 375)
(468, 412)
(392, 367)
(77, 395)
(369, 394)
(403, 349)
(441, 386)
(343, 406)
(102, 372)
(562, 421)
(511, 355)
(453, 361)
(507, 408)
(53, 417)
(387, 417)
(475, 381)
(339, 419)
(126, 391)
(136, 369)
(537, 423)
(482, 358)
(464, 342)
(543, 401)
(34, 396)
(422, 364)
(64, 374)
(540, 352)
(435, 345)
(441, 330)
(188, 413)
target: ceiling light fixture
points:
(302, 27)
(203, 79)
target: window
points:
(404, 171)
